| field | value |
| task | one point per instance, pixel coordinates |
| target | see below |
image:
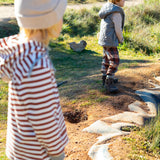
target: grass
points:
(152, 1)
(142, 29)
(3, 117)
(9, 28)
(82, 70)
(152, 134)
(146, 142)
(3, 100)
(6, 2)
(2, 143)
(81, 22)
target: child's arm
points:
(117, 20)
(4, 66)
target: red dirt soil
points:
(130, 80)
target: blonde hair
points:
(114, 1)
(46, 34)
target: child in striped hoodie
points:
(36, 129)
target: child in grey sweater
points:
(112, 23)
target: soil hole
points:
(75, 116)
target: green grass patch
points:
(146, 142)
(2, 142)
(6, 2)
(152, 134)
(81, 22)
(3, 101)
(8, 28)
(152, 2)
(141, 31)
(3, 117)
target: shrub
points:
(141, 31)
(81, 22)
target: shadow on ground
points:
(8, 27)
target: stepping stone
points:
(152, 98)
(101, 127)
(131, 117)
(135, 107)
(104, 138)
(100, 152)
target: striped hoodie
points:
(35, 125)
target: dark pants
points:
(110, 61)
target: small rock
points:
(78, 47)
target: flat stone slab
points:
(137, 116)
(135, 107)
(101, 127)
(130, 117)
(100, 152)
(152, 98)
(104, 138)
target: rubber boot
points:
(103, 80)
(115, 80)
(110, 85)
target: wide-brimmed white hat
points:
(39, 14)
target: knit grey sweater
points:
(107, 35)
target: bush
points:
(141, 31)
(82, 22)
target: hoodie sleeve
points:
(117, 20)
(5, 68)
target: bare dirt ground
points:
(130, 80)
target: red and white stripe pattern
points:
(36, 128)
